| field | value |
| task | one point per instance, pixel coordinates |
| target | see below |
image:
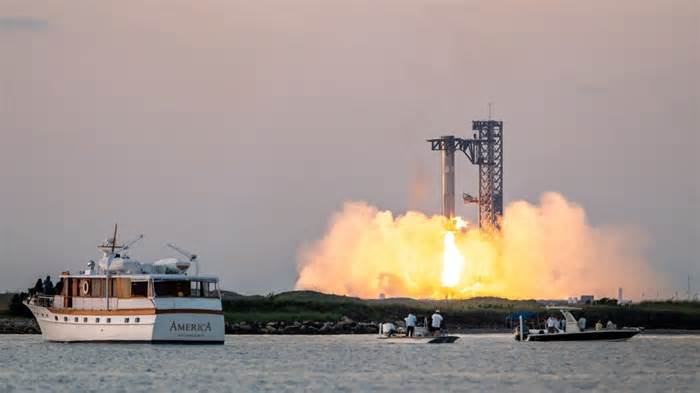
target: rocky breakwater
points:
(344, 326)
(14, 325)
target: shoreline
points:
(22, 325)
(18, 325)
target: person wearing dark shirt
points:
(58, 288)
(48, 286)
(39, 286)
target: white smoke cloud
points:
(543, 251)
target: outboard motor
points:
(516, 334)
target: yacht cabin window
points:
(185, 288)
(172, 288)
(139, 288)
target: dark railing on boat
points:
(42, 300)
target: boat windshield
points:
(185, 288)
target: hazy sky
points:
(237, 128)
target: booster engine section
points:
(447, 163)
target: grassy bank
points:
(307, 305)
(469, 313)
(5, 299)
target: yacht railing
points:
(43, 300)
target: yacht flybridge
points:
(121, 299)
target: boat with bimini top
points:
(574, 330)
(123, 300)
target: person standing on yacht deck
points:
(551, 324)
(410, 325)
(436, 322)
(48, 286)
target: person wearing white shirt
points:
(436, 322)
(551, 324)
(388, 329)
(582, 323)
(410, 324)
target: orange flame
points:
(545, 251)
(452, 262)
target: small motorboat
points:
(573, 331)
(389, 333)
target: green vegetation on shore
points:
(11, 305)
(5, 299)
(484, 312)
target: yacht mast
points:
(109, 262)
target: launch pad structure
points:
(484, 149)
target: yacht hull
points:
(156, 326)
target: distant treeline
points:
(13, 305)
(485, 312)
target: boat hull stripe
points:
(135, 311)
(178, 342)
(189, 311)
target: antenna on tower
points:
(490, 104)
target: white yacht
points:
(121, 299)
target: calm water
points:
(352, 363)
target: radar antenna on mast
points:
(131, 243)
(114, 238)
(192, 257)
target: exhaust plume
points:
(543, 251)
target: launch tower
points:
(485, 149)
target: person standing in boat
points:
(552, 324)
(38, 287)
(388, 329)
(436, 322)
(48, 286)
(410, 324)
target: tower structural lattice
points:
(490, 134)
